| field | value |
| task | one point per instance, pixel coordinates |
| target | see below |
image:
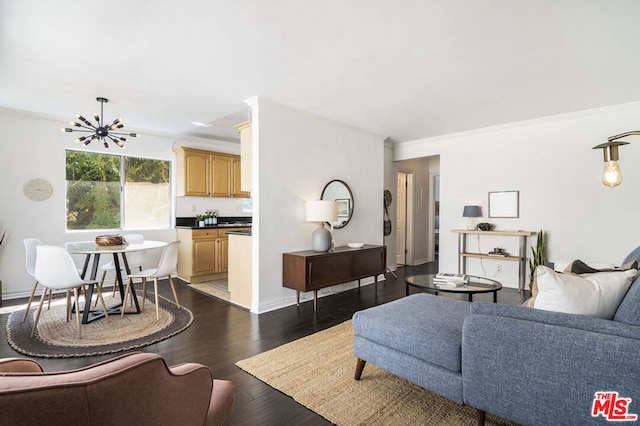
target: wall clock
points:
(37, 189)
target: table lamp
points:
(473, 213)
(321, 211)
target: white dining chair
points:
(55, 270)
(30, 245)
(135, 259)
(166, 266)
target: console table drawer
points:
(327, 271)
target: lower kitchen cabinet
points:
(203, 254)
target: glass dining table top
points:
(90, 247)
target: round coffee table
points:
(474, 286)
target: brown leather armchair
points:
(137, 388)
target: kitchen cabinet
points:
(240, 267)
(195, 175)
(246, 154)
(203, 254)
(220, 179)
(236, 178)
(208, 174)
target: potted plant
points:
(212, 217)
(538, 255)
(200, 220)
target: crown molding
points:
(519, 124)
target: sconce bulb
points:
(612, 175)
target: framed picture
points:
(344, 206)
(504, 204)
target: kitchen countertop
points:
(223, 222)
(246, 233)
(224, 226)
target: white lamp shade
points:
(322, 211)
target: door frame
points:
(408, 214)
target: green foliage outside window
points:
(94, 185)
(93, 191)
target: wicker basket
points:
(109, 240)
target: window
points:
(115, 192)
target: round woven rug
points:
(57, 338)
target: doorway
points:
(404, 219)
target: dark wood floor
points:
(223, 334)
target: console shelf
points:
(463, 254)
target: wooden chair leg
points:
(100, 286)
(75, 296)
(173, 289)
(50, 295)
(155, 288)
(359, 368)
(33, 292)
(35, 321)
(104, 305)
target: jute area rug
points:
(57, 338)
(317, 372)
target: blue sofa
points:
(530, 366)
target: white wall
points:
(551, 163)
(33, 146)
(298, 154)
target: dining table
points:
(90, 249)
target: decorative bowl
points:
(109, 240)
(355, 245)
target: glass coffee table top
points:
(474, 285)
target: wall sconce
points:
(473, 213)
(322, 211)
(612, 175)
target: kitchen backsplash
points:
(191, 206)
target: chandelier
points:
(612, 175)
(100, 131)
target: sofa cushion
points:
(580, 322)
(579, 267)
(597, 295)
(629, 309)
(425, 326)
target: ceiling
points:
(400, 69)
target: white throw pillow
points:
(596, 295)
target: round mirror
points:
(338, 191)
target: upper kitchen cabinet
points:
(193, 173)
(245, 153)
(208, 174)
(220, 171)
(237, 178)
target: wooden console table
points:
(521, 258)
(309, 270)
